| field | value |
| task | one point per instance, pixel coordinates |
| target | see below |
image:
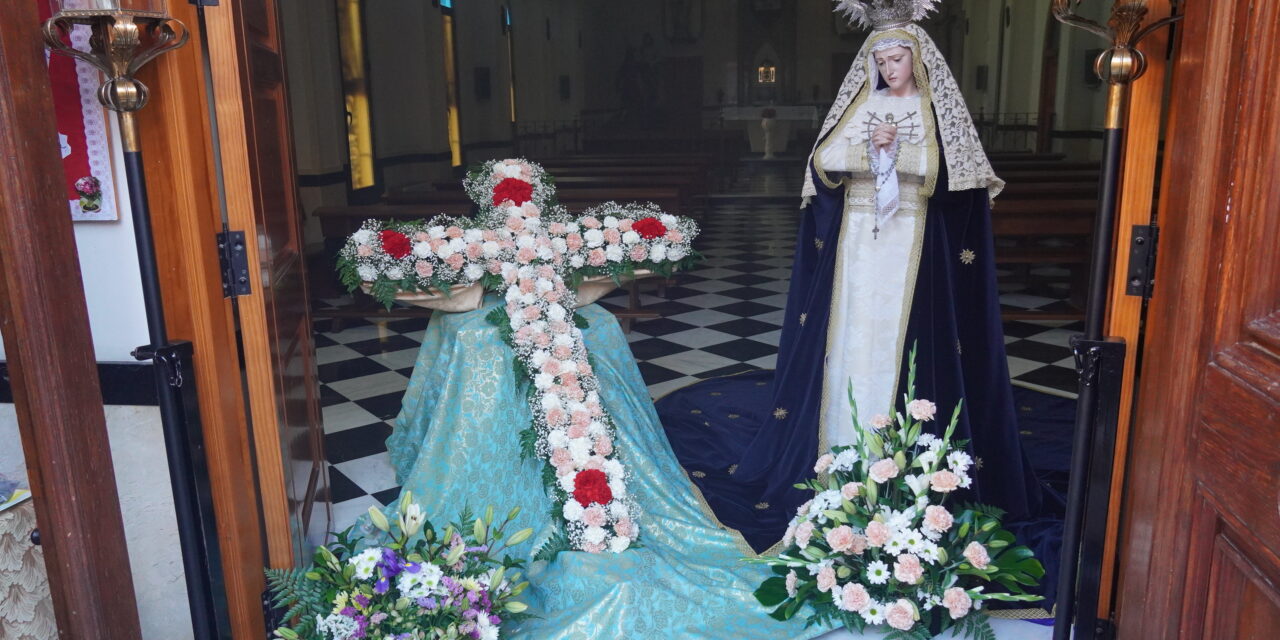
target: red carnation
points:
(396, 244)
(513, 189)
(591, 486)
(650, 228)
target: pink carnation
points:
(364, 250)
(944, 481)
(581, 419)
(526, 255)
(542, 339)
(422, 236)
(546, 272)
(826, 579)
(596, 258)
(594, 516)
(591, 222)
(859, 544)
(562, 352)
(850, 490)
(877, 534)
(901, 615)
(604, 446)
(624, 225)
(453, 232)
(976, 554)
(560, 457)
(957, 601)
(495, 267)
(557, 228)
(455, 261)
(675, 236)
(880, 421)
(937, 518)
(532, 313)
(424, 269)
(576, 431)
(574, 241)
(907, 569)
(855, 598)
(556, 416)
(791, 584)
(841, 539)
(804, 533)
(625, 527)
(639, 252)
(595, 462)
(474, 250)
(593, 547)
(612, 236)
(526, 285)
(823, 463)
(570, 380)
(884, 470)
(922, 409)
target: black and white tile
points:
(724, 317)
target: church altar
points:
(785, 121)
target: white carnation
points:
(668, 220)
(566, 483)
(658, 253)
(560, 245)
(594, 535)
(458, 245)
(550, 401)
(422, 249)
(544, 285)
(473, 271)
(594, 237)
(395, 273)
(542, 381)
(363, 236)
(631, 237)
(610, 222)
(436, 232)
(525, 242)
(572, 510)
(528, 299)
(619, 488)
(490, 249)
(558, 438)
(613, 253)
(617, 509)
(576, 261)
(562, 340)
(367, 273)
(580, 449)
(596, 428)
(556, 312)
(619, 544)
(473, 235)
(445, 251)
(676, 253)
(613, 468)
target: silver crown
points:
(885, 14)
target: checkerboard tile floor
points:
(722, 318)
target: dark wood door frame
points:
(54, 376)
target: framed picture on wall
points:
(84, 133)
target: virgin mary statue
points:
(894, 254)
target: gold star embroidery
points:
(977, 462)
(716, 393)
(696, 412)
(734, 416)
(967, 256)
(780, 413)
(761, 384)
(762, 506)
(803, 317)
(699, 474)
(818, 243)
(732, 469)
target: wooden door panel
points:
(279, 353)
(1203, 532)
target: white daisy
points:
(877, 573)
(874, 613)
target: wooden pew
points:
(1026, 219)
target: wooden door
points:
(279, 357)
(1201, 549)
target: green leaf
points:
(772, 591)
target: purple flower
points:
(362, 600)
(494, 620)
(382, 586)
(390, 565)
(349, 612)
(429, 604)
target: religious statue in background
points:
(894, 251)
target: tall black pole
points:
(175, 382)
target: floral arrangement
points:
(89, 189)
(535, 258)
(420, 584)
(877, 545)
(525, 227)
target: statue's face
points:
(895, 67)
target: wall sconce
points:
(767, 72)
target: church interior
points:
(300, 123)
(632, 101)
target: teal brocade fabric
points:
(456, 443)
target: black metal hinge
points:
(204, 3)
(1142, 260)
(235, 264)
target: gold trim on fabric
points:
(1019, 614)
(913, 276)
(835, 131)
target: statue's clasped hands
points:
(883, 136)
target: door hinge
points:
(235, 264)
(204, 3)
(1142, 260)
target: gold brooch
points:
(967, 256)
(818, 243)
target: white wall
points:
(146, 504)
(109, 267)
